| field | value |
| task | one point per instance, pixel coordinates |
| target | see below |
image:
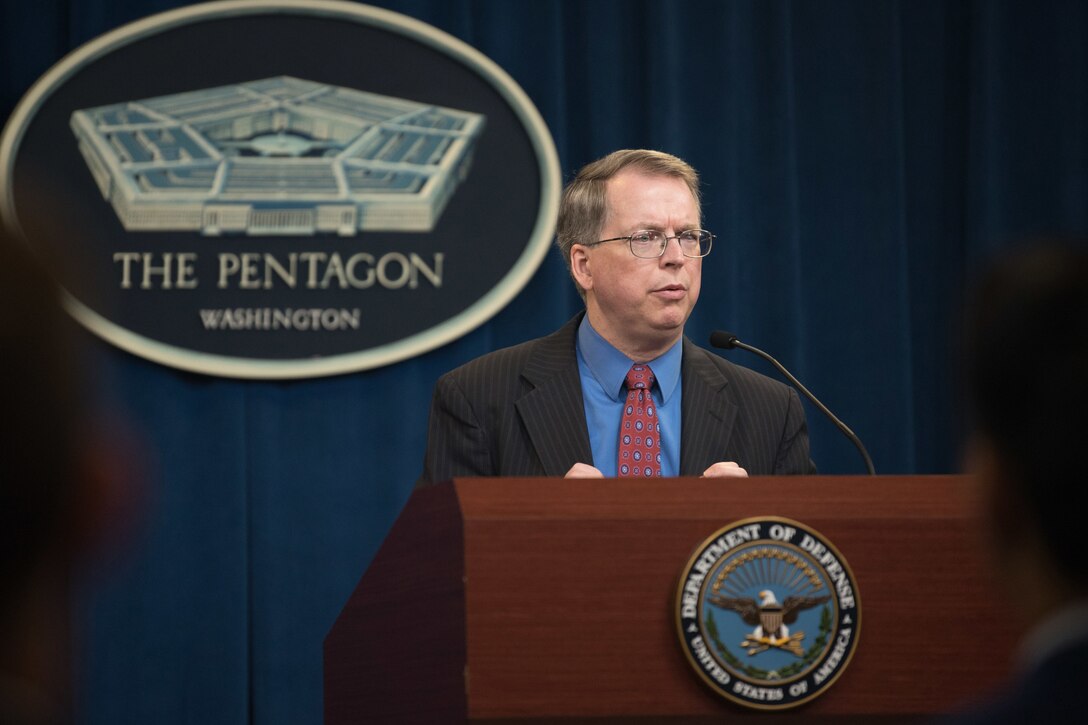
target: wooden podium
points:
(553, 600)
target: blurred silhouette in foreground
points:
(61, 489)
(1027, 372)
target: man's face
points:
(641, 305)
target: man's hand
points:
(724, 469)
(583, 470)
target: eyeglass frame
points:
(631, 240)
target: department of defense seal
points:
(768, 613)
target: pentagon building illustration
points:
(277, 156)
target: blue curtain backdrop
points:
(861, 160)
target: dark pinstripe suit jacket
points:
(519, 412)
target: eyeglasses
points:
(651, 243)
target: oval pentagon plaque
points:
(281, 189)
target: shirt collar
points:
(609, 366)
(1066, 627)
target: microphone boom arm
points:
(728, 341)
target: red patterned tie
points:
(640, 443)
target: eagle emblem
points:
(770, 619)
(768, 612)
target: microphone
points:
(727, 341)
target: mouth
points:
(671, 291)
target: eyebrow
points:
(657, 227)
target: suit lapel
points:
(708, 415)
(552, 411)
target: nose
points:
(673, 255)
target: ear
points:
(997, 499)
(110, 494)
(580, 267)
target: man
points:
(55, 493)
(630, 232)
(1027, 366)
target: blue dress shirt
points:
(603, 370)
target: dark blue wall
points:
(861, 159)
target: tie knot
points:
(640, 377)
